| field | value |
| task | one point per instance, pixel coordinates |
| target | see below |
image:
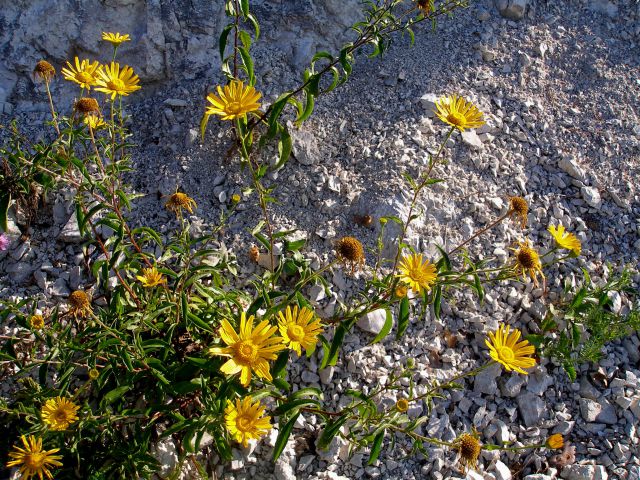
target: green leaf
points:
(386, 328)
(244, 7)
(203, 124)
(248, 64)
(308, 109)
(444, 261)
(403, 317)
(293, 404)
(283, 437)
(338, 338)
(437, 301)
(222, 42)
(245, 38)
(280, 364)
(284, 148)
(5, 201)
(330, 431)
(114, 394)
(377, 446)
(256, 26)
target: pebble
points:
(591, 195)
(531, 408)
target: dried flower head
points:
(58, 413)
(84, 73)
(233, 101)
(555, 441)
(115, 39)
(37, 322)
(426, 6)
(506, 348)
(44, 70)
(254, 254)
(417, 273)
(80, 305)
(402, 405)
(527, 261)
(468, 447)
(32, 460)
(180, 201)
(349, 251)
(245, 421)
(566, 240)
(87, 105)
(519, 208)
(457, 112)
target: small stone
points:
(512, 9)
(531, 409)
(428, 102)
(591, 195)
(502, 472)
(175, 102)
(584, 472)
(191, 137)
(568, 165)
(486, 381)
(471, 138)
(305, 147)
(511, 388)
(326, 375)
(71, 232)
(374, 321)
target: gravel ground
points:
(559, 90)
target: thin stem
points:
(53, 111)
(480, 232)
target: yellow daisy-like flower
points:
(32, 460)
(401, 291)
(180, 201)
(58, 413)
(417, 273)
(555, 442)
(349, 251)
(114, 81)
(151, 277)
(245, 421)
(527, 261)
(519, 208)
(44, 70)
(84, 74)
(115, 39)
(80, 305)
(468, 447)
(402, 405)
(233, 101)
(250, 348)
(94, 122)
(566, 240)
(457, 112)
(506, 348)
(299, 329)
(37, 322)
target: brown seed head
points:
(44, 70)
(425, 5)
(469, 448)
(254, 254)
(349, 250)
(179, 201)
(78, 299)
(87, 105)
(519, 208)
(527, 257)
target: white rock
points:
(373, 322)
(428, 102)
(584, 472)
(591, 195)
(512, 9)
(71, 232)
(305, 147)
(471, 138)
(486, 381)
(569, 165)
(502, 472)
(531, 408)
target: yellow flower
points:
(58, 413)
(519, 208)
(528, 261)
(44, 70)
(93, 374)
(250, 348)
(299, 329)
(401, 291)
(468, 447)
(80, 304)
(350, 252)
(32, 460)
(94, 122)
(235, 198)
(84, 74)
(151, 277)
(245, 420)
(565, 239)
(233, 101)
(505, 348)
(37, 322)
(417, 273)
(402, 405)
(555, 441)
(457, 112)
(115, 39)
(114, 81)
(179, 201)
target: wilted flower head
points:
(425, 5)
(44, 70)
(349, 251)
(180, 201)
(80, 305)
(87, 105)
(527, 261)
(468, 447)
(519, 208)
(93, 374)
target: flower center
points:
(84, 77)
(244, 423)
(247, 351)
(116, 84)
(60, 416)
(506, 354)
(295, 333)
(234, 107)
(34, 461)
(456, 119)
(526, 259)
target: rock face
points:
(512, 9)
(169, 40)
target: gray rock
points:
(538, 476)
(326, 375)
(539, 382)
(71, 233)
(471, 138)
(512, 9)
(501, 471)
(604, 6)
(591, 195)
(531, 408)
(589, 409)
(373, 322)
(569, 165)
(305, 147)
(511, 388)
(486, 381)
(584, 472)
(191, 137)
(428, 102)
